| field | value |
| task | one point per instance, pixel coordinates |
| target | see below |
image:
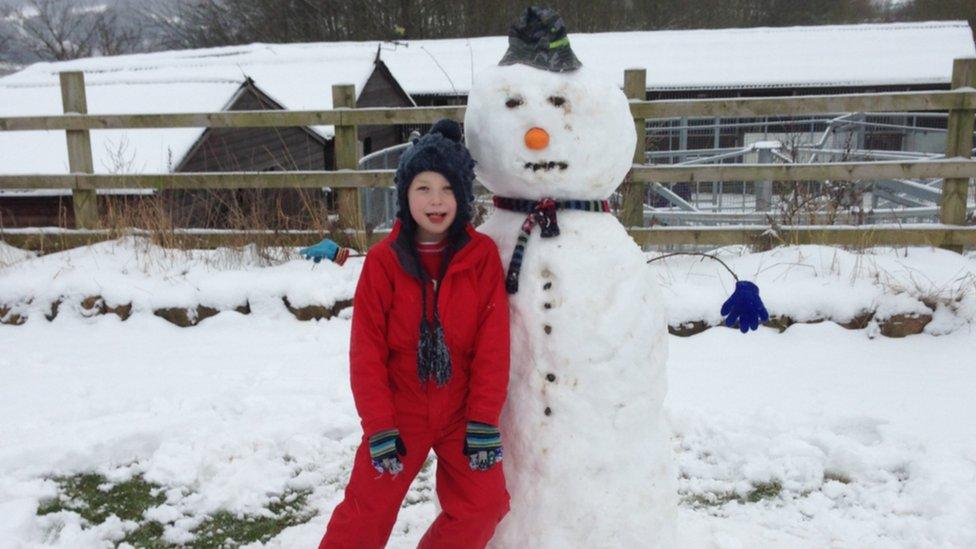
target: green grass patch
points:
(765, 490)
(95, 499)
(149, 535)
(709, 499)
(229, 529)
(759, 492)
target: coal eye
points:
(557, 100)
(513, 102)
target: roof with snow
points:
(300, 76)
(821, 56)
(206, 80)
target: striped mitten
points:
(385, 448)
(482, 445)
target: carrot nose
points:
(536, 139)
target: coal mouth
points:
(546, 166)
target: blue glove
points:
(326, 249)
(482, 445)
(385, 449)
(745, 306)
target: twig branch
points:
(710, 256)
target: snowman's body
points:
(587, 460)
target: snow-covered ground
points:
(804, 283)
(815, 437)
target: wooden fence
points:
(951, 233)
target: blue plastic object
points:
(326, 249)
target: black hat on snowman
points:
(538, 39)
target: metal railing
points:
(794, 140)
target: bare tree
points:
(58, 30)
(115, 37)
(203, 23)
(63, 29)
(928, 10)
(6, 33)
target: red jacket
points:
(473, 309)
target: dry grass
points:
(256, 220)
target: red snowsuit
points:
(473, 308)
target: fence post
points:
(959, 143)
(84, 201)
(347, 158)
(632, 207)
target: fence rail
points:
(349, 179)
(838, 171)
(956, 170)
(235, 119)
(726, 108)
(339, 179)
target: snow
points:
(603, 335)
(859, 55)
(10, 255)
(133, 271)
(593, 387)
(300, 76)
(591, 134)
(113, 151)
(869, 438)
(835, 284)
(868, 441)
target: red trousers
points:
(472, 502)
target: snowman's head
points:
(542, 134)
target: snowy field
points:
(819, 436)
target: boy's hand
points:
(482, 445)
(385, 448)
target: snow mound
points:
(133, 271)
(810, 283)
(800, 283)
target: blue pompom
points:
(745, 307)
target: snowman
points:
(587, 457)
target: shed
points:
(250, 77)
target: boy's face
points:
(432, 205)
